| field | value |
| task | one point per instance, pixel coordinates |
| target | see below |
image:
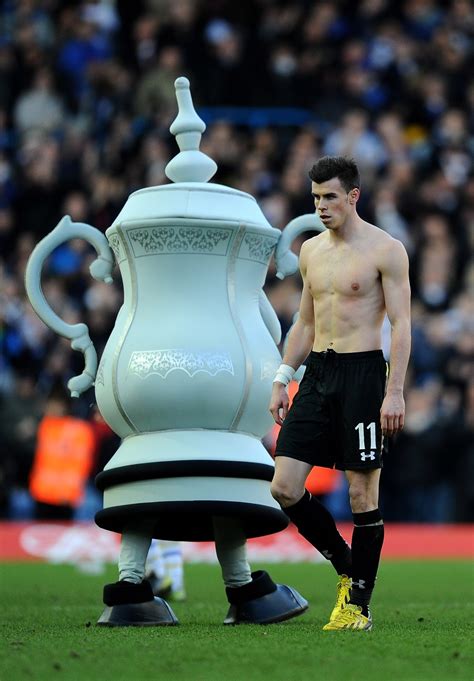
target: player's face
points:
(332, 202)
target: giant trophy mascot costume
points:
(185, 377)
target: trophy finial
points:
(191, 164)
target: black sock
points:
(316, 524)
(367, 541)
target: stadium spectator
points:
(20, 414)
(64, 458)
(38, 109)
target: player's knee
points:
(360, 499)
(285, 494)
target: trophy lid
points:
(191, 195)
(191, 164)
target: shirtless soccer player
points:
(353, 274)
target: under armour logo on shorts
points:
(360, 584)
(365, 456)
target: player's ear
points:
(354, 196)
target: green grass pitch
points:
(423, 623)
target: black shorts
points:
(334, 420)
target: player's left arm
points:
(396, 290)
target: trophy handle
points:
(100, 269)
(269, 316)
(286, 260)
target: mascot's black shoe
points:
(263, 602)
(133, 605)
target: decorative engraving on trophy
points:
(99, 377)
(257, 247)
(162, 362)
(116, 246)
(167, 240)
(268, 369)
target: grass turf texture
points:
(422, 629)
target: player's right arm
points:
(299, 344)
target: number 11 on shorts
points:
(373, 443)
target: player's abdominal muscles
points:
(354, 327)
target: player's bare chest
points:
(343, 272)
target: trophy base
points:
(175, 482)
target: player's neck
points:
(347, 232)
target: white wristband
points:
(284, 374)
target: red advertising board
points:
(85, 542)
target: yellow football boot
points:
(349, 617)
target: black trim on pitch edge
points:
(179, 469)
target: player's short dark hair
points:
(345, 169)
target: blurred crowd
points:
(86, 100)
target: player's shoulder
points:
(383, 243)
(307, 251)
(312, 244)
(389, 254)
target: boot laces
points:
(343, 586)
